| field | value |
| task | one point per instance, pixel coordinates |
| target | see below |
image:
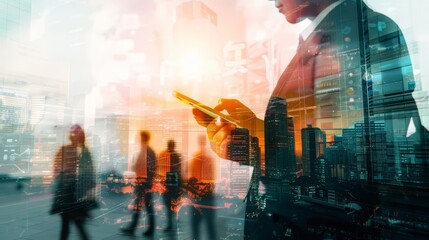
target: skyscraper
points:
(336, 153)
(238, 152)
(255, 161)
(368, 153)
(279, 140)
(196, 10)
(312, 148)
(15, 20)
(321, 170)
(280, 161)
(195, 26)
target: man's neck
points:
(321, 15)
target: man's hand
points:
(219, 130)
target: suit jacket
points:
(351, 76)
(354, 71)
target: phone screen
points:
(204, 108)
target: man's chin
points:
(291, 19)
(294, 20)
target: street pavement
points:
(24, 214)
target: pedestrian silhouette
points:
(74, 183)
(203, 169)
(144, 164)
(171, 160)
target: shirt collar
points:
(308, 30)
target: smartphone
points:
(204, 108)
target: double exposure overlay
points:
(214, 119)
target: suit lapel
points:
(297, 79)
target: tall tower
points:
(279, 140)
(336, 153)
(321, 170)
(312, 148)
(238, 151)
(255, 161)
(193, 32)
(280, 162)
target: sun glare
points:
(191, 65)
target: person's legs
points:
(81, 228)
(65, 220)
(168, 199)
(196, 220)
(210, 218)
(138, 198)
(150, 214)
(173, 193)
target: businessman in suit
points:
(351, 67)
(144, 164)
(342, 52)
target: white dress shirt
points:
(316, 21)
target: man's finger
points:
(201, 118)
(230, 105)
(223, 133)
